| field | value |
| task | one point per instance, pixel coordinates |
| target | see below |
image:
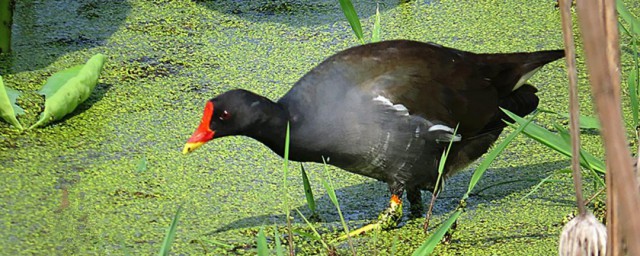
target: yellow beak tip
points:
(191, 146)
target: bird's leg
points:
(390, 217)
(415, 202)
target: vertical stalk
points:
(599, 26)
(6, 20)
(574, 107)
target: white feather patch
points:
(401, 109)
(524, 78)
(439, 127)
(383, 100)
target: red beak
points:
(203, 134)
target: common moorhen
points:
(387, 111)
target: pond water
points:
(109, 178)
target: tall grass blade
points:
(555, 142)
(633, 96)
(317, 236)
(376, 35)
(394, 246)
(287, 209)
(276, 234)
(427, 247)
(350, 12)
(634, 83)
(307, 191)
(537, 186)
(263, 249)
(328, 185)
(484, 165)
(434, 194)
(171, 234)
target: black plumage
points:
(387, 110)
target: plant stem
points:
(574, 107)
(6, 20)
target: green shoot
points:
(171, 234)
(276, 234)
(427, 246)
(285, 194)
(263, 249)
(317, 236)
(352, 16)
(328, 185)
(307, 191)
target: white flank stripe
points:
(439, 127)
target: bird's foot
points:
(390, 217)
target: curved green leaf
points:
(427, 247)
(8, 107)
(65, 90)
(352, 17)
(555, 142)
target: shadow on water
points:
(363, 202)
(297, 13)
(43, 31)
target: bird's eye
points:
(225, 115)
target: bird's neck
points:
(271, 129)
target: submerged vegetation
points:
(108, 178)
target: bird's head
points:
(230, 113)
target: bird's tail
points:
(521, 102)
(515, 68)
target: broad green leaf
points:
(427, 247)
(585, 122)
(8, 107)
(263, 249)
(171, 234)
(307, 190)
(57, 80)
(376, 35)
(13, 96)
(64, 91)
(556, 142)
(352, 17)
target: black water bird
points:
(387, 111)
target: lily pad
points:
(65, 90)
(8, 107)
